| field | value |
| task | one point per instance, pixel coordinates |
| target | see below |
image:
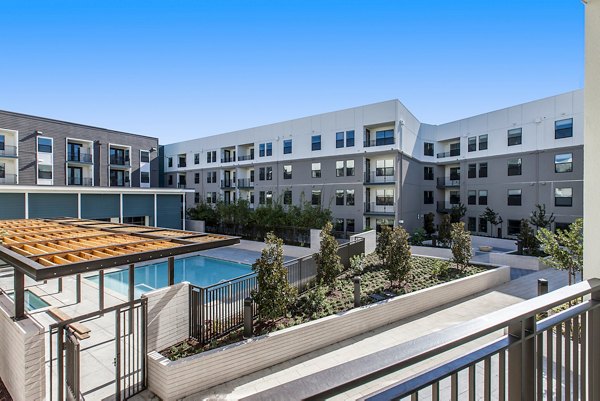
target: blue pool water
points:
(198, 270)
(32, 301)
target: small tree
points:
(329, 264)
(418, 237)
(461, 245)
(491, 217)
(564, 248)
(399, 256)
(274, 294)
(539, 219)
(527, 239)
(383, 244)
(444, 230)
(428, 223)
(457, 212)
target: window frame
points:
(564, 132)
(568, 163)
(568, 199)
(514, 135)
(483, 142)
(514, 199)
(315, 141)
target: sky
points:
(183, 69)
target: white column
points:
(183, 225)
(121, 208)
(78, 205)
(26, 205)
(155, 211)
(591, 127)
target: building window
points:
(483, 142)
(563, 196)
(196, 178)
(261, 198)
(211, 177)
(287, 172)
(563, 128)
(251, 175)
(2, 142)
(428, 173)
(454, 197)
(196, 158)
(428, 149)
(44, 171)
(120, 178)
(350, 168)
(211, 197)
(515, 136)
(428, 197)
(170, 180)
(261, 150)
(287, 197)
(514, 166)
(472, 146)
(316, 142)
(269, 150)
(196, 197)
(561, 226)
(316, 170)
(483, 197)
(350, 227)
(514, 197)
(483, 170)
(315, 198)
(170, 162)
(513, 227)
(384, 137)
(287, 146)
(349, 138)
(385, 168)
(251, 197)
(44, 145)
(145, 177)
(472, 224)
(145, 156)
(563, 163)
(182, 161)
(472, 171)
(482, 225)
(269, 173)
(339, 168)
(455, 173)
(349, 197)
(2, 170)
(384, 197)
(211, 157)
(338, 225)
(339, 139)
(339, 197)
(472, 197)
(261, 174)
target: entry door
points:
(75, 176)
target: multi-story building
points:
(379, 165)
(51, 168)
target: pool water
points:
(198, 270)
(32, 301)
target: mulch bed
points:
(4, 395)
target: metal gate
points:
(125, 327)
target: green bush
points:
(329, 264)
(418, 237)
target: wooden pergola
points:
(54, 248)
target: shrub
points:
(418, 237)
(441, 268)
(444, 230)
(428, 223)
(457, 212)
(329, 264)
(565, 248)
(314, 301)
(357, 264)
(491, 217)
(461, 245)
(398, 256)
(527, 238)
(383, 243)
(274, 294)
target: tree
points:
(539, 219)
(564, 248)
(328, 261)
(418, 237)
(444, 230)
(462, 252)
(492, 217)
(457, 212)
(399, 256)
(527, 239)
(383, 244)
(274, 294)
(428, 223)
(204, 211)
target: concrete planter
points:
(172, 380)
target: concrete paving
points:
(248, 251)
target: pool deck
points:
(248, 251)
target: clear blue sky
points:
(184, 69)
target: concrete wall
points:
(172, 380)
(195, 225)
(370, 238)
(22, 353)
(518, 261)
(168, 316)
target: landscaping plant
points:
(527, 239)
(457, 212)
(329, 264)
(462, 252)
(491, 217)
(383, 243)
(357, 264)
(398, 256)
(418, 237)
(539, 219)
(564, 248)
(274, 294)
(428, 223)
(444, 230)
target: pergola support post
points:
(19, 285)
(78, 288)
(101, 289)
(131, 296)
(60, 283)
(171, 266)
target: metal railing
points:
(371, 177)
(8, 151)
(218, 309)
(227, 183)
(448, 182)
(373, 207)
(242, 158)
(245, 183)
(451, 153)
(8, 179)
(446, 207)
(230, 159)
(81, 157)
(378, 142)
(85, 182)
(119, 161)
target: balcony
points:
(448, 182)
(120, 161)
(182, 163)
(229, 159)
(451, 153)
(245, 183)
(84, 182)
(79, 157)
(227, 184)
(446, 207)
(383, 210)
(8, 179)
(378, 142)
(245, 158)
(8, 151)
(372, 177)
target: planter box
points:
(172, 380)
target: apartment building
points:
(51, 168)
(378, 165)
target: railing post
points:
(78, 288)
(248, 318)
(541, 290)
(521, 361)
(593, 354)
(171, 270)
(356, 291)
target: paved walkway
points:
(385, 337)
(248, 251)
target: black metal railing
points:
(119, 160)
(373, 177)
(8, 151)
(451, 153)
(378, 142)
(245, 183)
(81, 157)
(182, 163)
(448, 182)
(242, 158)
(373, 207)
(445, 206)
(218, 309)
(229, 159)
(8, 179)
(227, 183)
(86, 182)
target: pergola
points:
(54, 248)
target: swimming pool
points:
(198, 270)
(32, 301)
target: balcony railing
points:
(181, 185)
(245, 183)
(8, 179)
(81, 157)
(8, 151)
(453, 152)
(245, 157)
(119, 161)
(378, 142)
(182, 163)
(374, 208)
(85, 182)
(448, 182)
(227, 183)
(446, 207)
(371, 177)
(229, 159)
